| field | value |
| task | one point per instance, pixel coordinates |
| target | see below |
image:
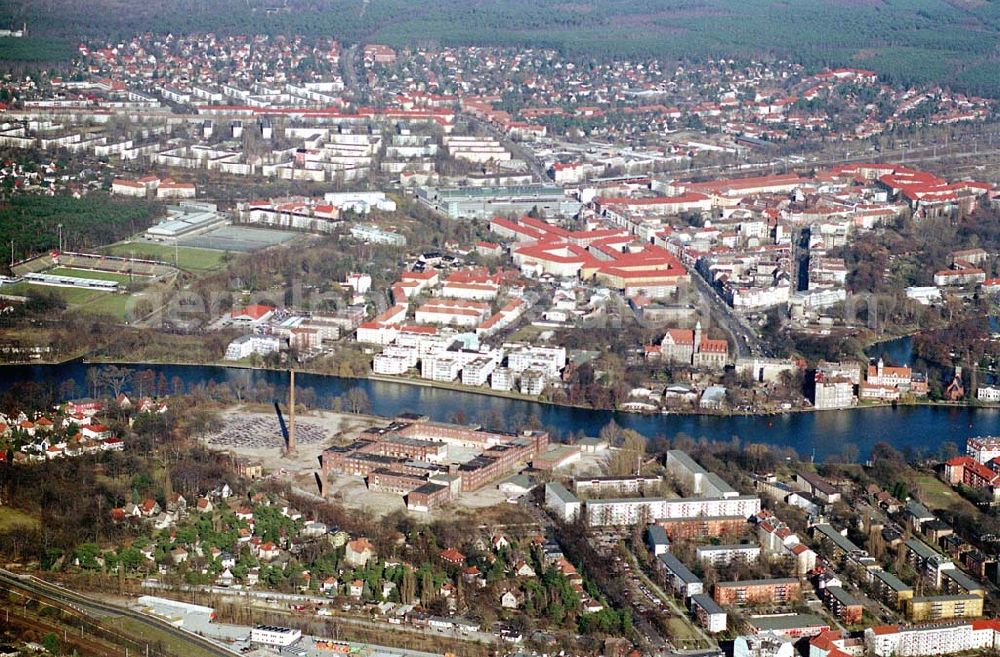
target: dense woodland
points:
(32, 221)
(904, 40)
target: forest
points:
(32, 222)
(914, 41)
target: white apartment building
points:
(983, 448)
(564, 503)
(550, 360)
(452, 311)
(477, 372)
(122, 187)
(359, 283)
(723, 555)
(502, 379)
(748, 299)
(709, 614)
(409, 352)
(360, 202)
(245, 345)
(532, 382)
(443, 368)
(629, 511)
(932, 639)
(833, 392)
(388, 364)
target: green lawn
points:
(115, 305)
(94, 302)
(938, 495)
(89, 273)
(682, 634)
(188, 258)
(12, 518)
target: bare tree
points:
(115, 378)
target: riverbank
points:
(918, 426)
(457, 387)
(516, 396)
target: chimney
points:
(321, 480)
(291, 412)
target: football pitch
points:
(90, 273)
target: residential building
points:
(892, 590)
(245, 345)
(814, 484)
(708, 613)
(832, 392)
(532, 382)
(933, 639)
(566, 505)
(844, 606)
(375, 235)
(630, 511)
(943, 607)
(767, 644)
(983, 448)
(678, 577)
(723, 555)
(758, 591)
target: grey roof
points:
(946, 598)
(758, 582)
(921, 549)
(838, 539)
(685, 460)
(560, 491)
(918, 510)
(725, 548)
(675, 500)
(787, 622)
(678, 569)
(843, 596)
(892, 581)
(963, 581)
(818, 482)
(718, 483)
(706, 602)
(658, 535)
(524, 481)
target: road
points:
(663, 597)
(64, 598)
(745, 340)
(517, 150)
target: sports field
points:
(189, 258)
(89, 273)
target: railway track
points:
(72, 601)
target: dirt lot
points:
(258, 436)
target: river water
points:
(816, 434)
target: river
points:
(816, 434)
